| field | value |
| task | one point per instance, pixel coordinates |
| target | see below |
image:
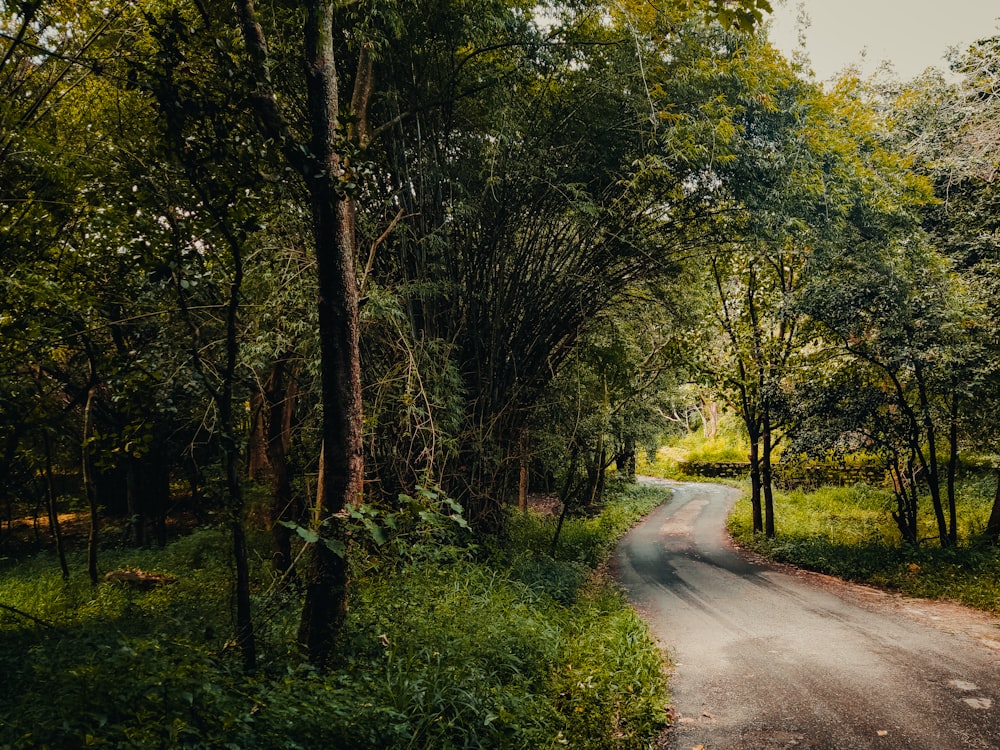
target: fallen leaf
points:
(882, 733)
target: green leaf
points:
(336, 546)
(309, 535)
(378, 534)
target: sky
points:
(912, 34)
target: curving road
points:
(770, 657)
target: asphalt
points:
(770, 657)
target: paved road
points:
(768, 657)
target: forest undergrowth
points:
(448, 645)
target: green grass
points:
(847, 532)
(728, 445)
(464, 648)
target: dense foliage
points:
(348, 273)
(446, 645)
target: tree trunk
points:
(137, 518)
(755, 485)
(766, 481)
(245, 637)
(565, 495)
(10, 448)
(277, 405)
(595, 470)
(258, 467)
(709, 418)
(625, 461)
(333, 218)
(244, 619)
(332, 209)
(952, 469)
(930, 465)
(159, 495)
(86, 471)
(993, 525)
(522, 485)
(50, 489)
(912, 501)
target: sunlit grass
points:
(727, 445)
(848, 532)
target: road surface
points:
(770, 657)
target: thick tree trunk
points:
(258, 467)
(332, 209)
(602, 477)
(625, 460)
(709, 418)
(333, 232)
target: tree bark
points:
(625, 461)
(595, 470)
(564, 496)
(50, 489)
(952, 469)
(766, 480)
(333, 233)
(930, 464)
(710, 418)
(755, 483)
(277, 405)
(333, 219)
(245, 637)
(522, 485)
(993, 525)
(601, 477)
(86, 470)
(137, 518)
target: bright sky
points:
(912, 34)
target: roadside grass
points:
(461, 647)
(848, 532)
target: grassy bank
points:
(848, 532)
(668, 462)
(455, 647)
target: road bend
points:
(770, 657)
